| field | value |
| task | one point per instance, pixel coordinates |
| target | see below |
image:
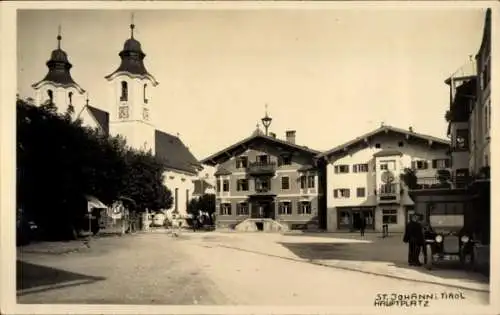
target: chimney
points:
(272, 134)
(411, 129)
(290, 136)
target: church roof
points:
(132, 60)
(101, 116)
(59, 70)
(174, 154)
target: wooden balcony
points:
(261, 168)
(424, 183)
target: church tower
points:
(131, 85)
(58, 87)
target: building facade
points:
(129, 113)
(364, 177)
(263, 177)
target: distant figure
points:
(362, 226)
(414, 236)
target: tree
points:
(207, 203)
(444, 177)
(59, 162)
(144, 183)
(409, 178)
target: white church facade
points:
(129, 113)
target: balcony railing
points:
(261, 168)
(436, 183)
(389, 189)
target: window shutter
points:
(426, 164)
(335, 193)
(434, 163)
(413, 164)
(280, 160)
(348, 193)
(447, 163)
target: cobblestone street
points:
(235, 268)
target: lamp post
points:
(266, 121)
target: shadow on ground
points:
(33, 278)
(377, 252)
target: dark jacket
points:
(414, 233)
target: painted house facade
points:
(263, 177)
(364, 177)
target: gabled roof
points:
(305, 168)
(221, 171)
(101, 117)
(174, 154)
(211, 159)
(383, 129)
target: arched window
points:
(70, 96)
(145, 97)
(50, 93)
(124, 96)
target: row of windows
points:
(391, 165)
(284, 208)
(265, 184)
(389, 216)
(361, 191)
(346, 192)
(242, 161)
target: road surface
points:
(238, 268)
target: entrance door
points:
(263, 209)
(356, 220)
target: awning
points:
(93, 202)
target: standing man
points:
(414, 236)
(362, 225)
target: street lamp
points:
(266, 121)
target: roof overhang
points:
(246, 144)
(42, 83)
(365, 139)
(146, 76)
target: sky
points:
(331, 75)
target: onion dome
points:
(132, 59)
(59, 69)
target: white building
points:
(363, 177)
(129, 114)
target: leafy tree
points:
(59, 162)
(144, 183)
(409, 178)
(444, 177)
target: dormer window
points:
(50, 93)
(124, 95)
(145, 95)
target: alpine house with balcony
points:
(265, 183)
(365, 177)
